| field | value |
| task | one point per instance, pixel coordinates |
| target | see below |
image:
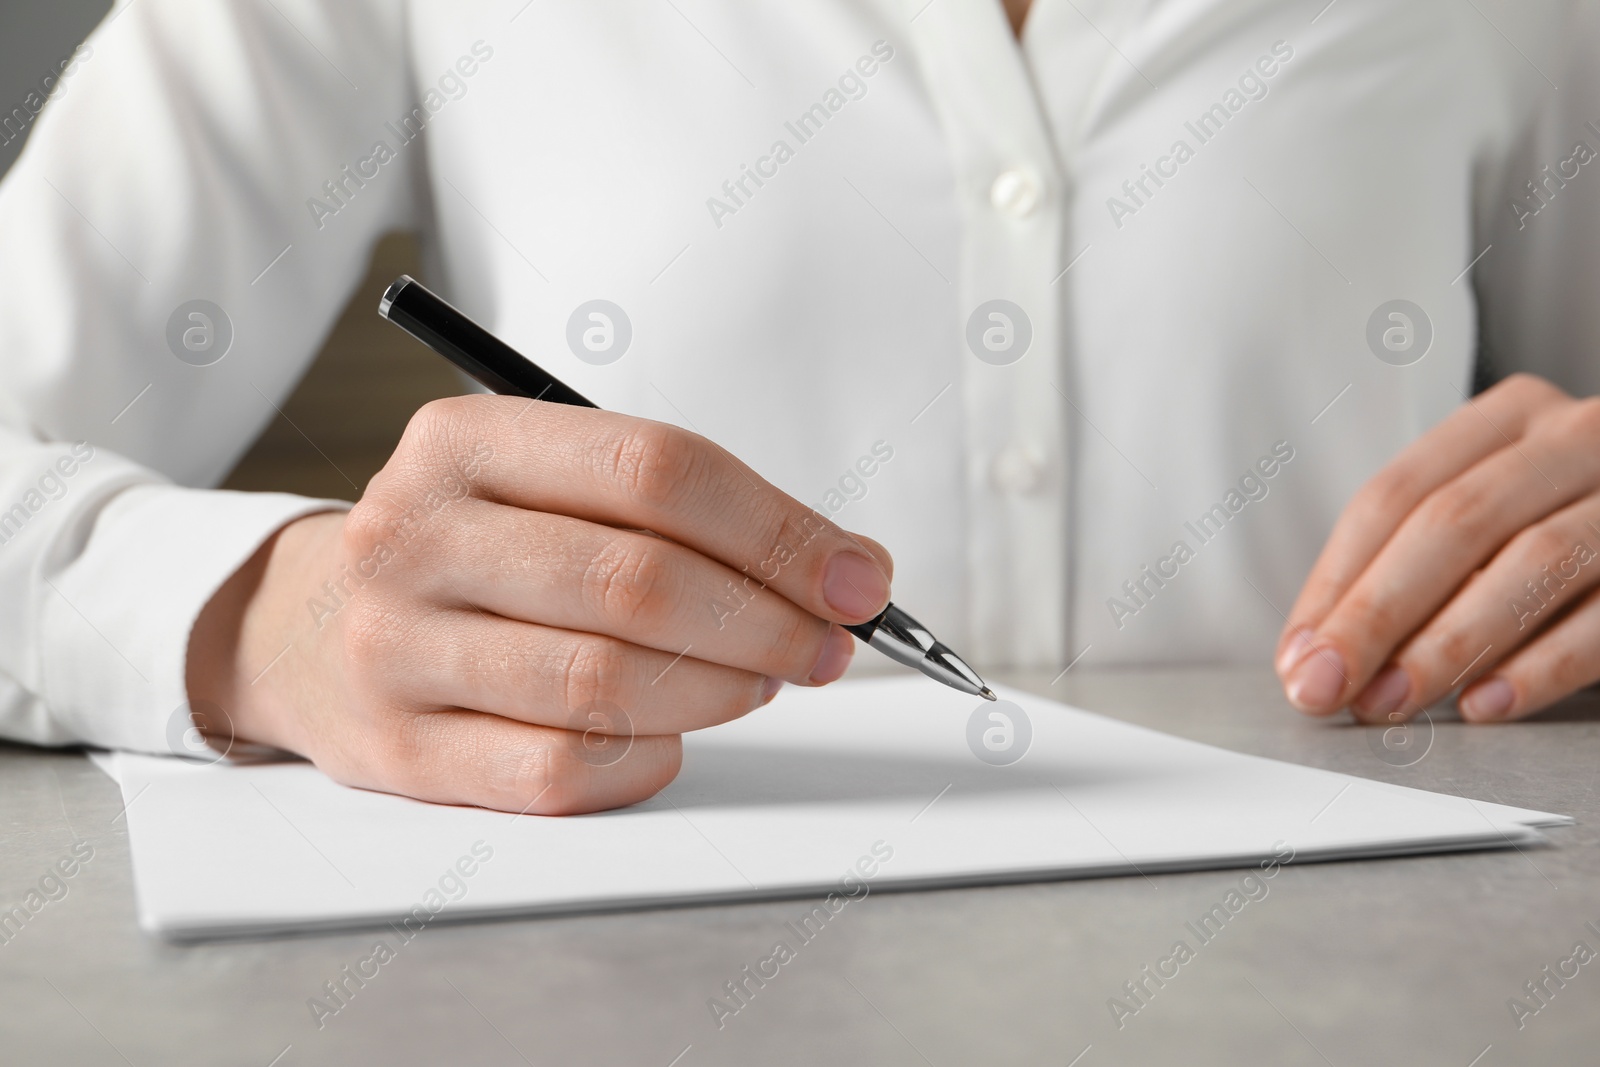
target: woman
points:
(1096, 313)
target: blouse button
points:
(1015, 193)
(1019, 471)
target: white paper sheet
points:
(875, 777)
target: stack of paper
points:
(861, 786)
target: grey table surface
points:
(1405, 961)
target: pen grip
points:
(865, 630)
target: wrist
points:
(252, 626)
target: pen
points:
(412, 307)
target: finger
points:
(1467, 436)
(1560, 661)
(564, 679)
(579, 575)
(1528, 583)
(1442, 541)
(622, 471)
(464, 757)
(876, 551)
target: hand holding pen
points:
(497, 366)
(489, 625)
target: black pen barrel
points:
(489, 360)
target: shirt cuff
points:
(116, 620)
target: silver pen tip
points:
(988, 694)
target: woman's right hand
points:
(490, 626)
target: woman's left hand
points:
(1472, 559)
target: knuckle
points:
(1452, 649)
(631, 582)
(551, 779)
(1540, 546)
(787, 535)
(792, 546)
(398, 756)
(1462, 511)
(655, 464)
(546, 778)
(437, 426)
(368, 524)
(1361, 616)
(1526, 390)
(370, 636)
(597, 673)
(1391, 493)
(443, 446)
(385, 526)
(797, 644)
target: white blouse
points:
(1097, 333)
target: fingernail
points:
(1385, 693)
(835, 657)
(1317, 681)
(1488, 701)
(854, 586)
(1293, 653)
(769, 689)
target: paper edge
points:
(1497, 841)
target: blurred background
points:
(353, 404)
